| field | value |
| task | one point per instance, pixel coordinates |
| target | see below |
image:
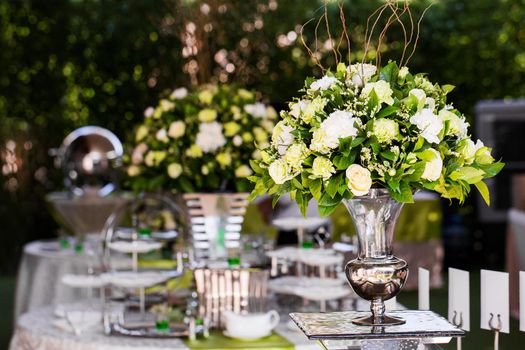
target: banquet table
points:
(39, 276)
(35, 331)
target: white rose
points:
(382, 90)
(282, 136)
(324, 83)
(148, 112)
(179, 94)
(177, 129)
(360, 73)
(434, 166)
(279, 171)
(258, 110)
(210, 137)
(162, 135)
(174, 170)
(359, 179)
(428, 123)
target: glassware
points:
(376, 275)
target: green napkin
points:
(217, 341)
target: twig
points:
(314, 57)
(332, 44)
(345, 31)
(417, 35)
(381, 9)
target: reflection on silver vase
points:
(376, 274)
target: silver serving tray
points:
(175, 331)
(338, 325)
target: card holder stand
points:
(496, 328)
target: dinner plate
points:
(134, 246)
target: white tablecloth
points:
(35, 331)
(39, 276)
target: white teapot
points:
(250, 326)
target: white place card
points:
(424, 289)
(522, 301)
(391, 304)
(459, 297)
(495, 299)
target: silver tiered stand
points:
(423, 330)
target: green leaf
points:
(484, 191)
(492, 170)
(373, 100)
(415, 172)
(387, 111)
(302, 200)
(326, 211)
(389, 155)
(333, 185)
(327, 201)
(327, 204)
(469, 174)
(342, 162)
(404, 194)
(253, 178)
(275, 200)
(296, 183)
(420, 142)
(357, 141)
(447, 88)
(255, 166)
(315, 188)
(390, 72)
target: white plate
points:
(294, 253)
(246, 337)
(312, 288)
(83, 281)
(135, 279)
(293, 223)
(134, 246)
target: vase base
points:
(384, 321)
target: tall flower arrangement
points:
(358, 128)
(199, 141)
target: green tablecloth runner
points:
(217, 341)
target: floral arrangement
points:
(200, 141)
(360, 127)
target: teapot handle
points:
(274, 318)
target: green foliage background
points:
(70, 63)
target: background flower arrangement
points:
(200, 141)
(358, 128)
